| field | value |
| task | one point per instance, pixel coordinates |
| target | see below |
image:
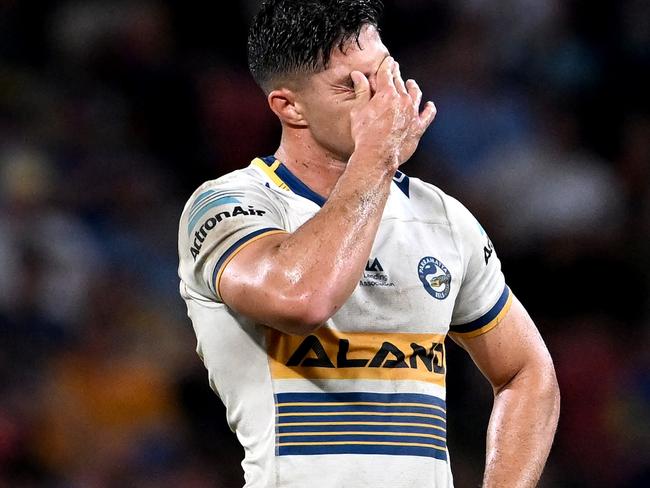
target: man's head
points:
(301, 52)
(290, 38)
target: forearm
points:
(323, 260)
(521, 430)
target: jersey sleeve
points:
(218, 222)
(483, 298)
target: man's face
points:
(328, 97)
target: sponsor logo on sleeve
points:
(488, 249)
(202, 233)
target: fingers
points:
(415, 93)
(427, 115)
(385, 75)
(397, 79)
(429, 112)
(361, 86)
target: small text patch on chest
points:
(375, 275)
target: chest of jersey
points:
(412, 276)
(410, 282)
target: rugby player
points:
(321, 281)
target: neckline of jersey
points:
(285, 179)
(292, 181)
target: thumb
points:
(361, 86)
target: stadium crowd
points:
(112, 112)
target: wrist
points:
(374, 159)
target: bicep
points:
(245, 281)
(513, 345)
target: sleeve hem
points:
(488, 320)
(233, 250)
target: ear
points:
(285, 105)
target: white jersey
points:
(360, 402)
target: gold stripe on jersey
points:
(348, 432)
(491, 325)
(270, 172)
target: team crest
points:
(435, 277)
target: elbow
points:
(314, 315)
(538, 382)
(544, 389)
(549, 396)
(548, 384)
(553, 390)
(298, 313)
(303, 314)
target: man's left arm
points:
(514, 358)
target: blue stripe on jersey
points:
(399, 424)
(396, 418)
(200, 198)
(298, 187)
(356, 438)
(485, 319)
(391, 450)
(359, 397)
(402, 182)
(294, 183)
(233, 248)
(206, 198)
(202, 211)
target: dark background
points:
(112, 112)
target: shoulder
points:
(231, 184)
(442, 208)
(435, 202)
(238, 195)
(242, 186)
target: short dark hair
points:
(298, 36)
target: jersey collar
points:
(279, 174)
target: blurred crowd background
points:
(113, 112)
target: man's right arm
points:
(295, 282)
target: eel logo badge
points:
(435, 277)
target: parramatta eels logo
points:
(435, 277)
